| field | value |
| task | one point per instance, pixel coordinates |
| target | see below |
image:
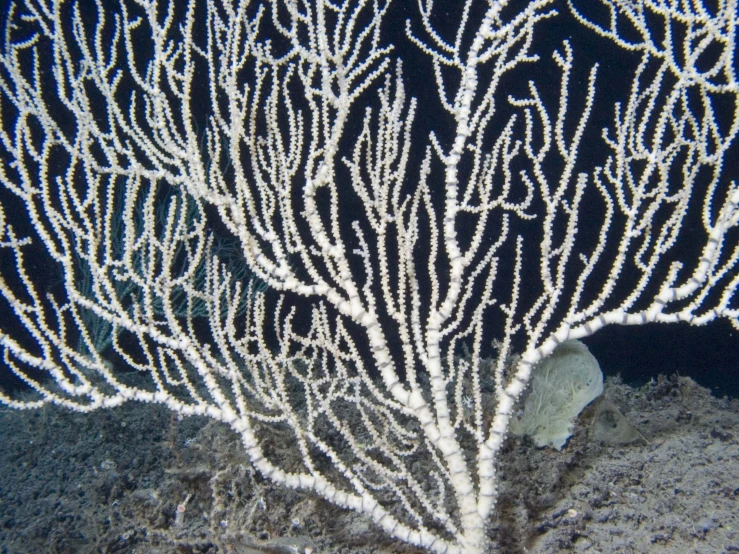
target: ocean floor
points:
(655, 470)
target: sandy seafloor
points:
(110, 482)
